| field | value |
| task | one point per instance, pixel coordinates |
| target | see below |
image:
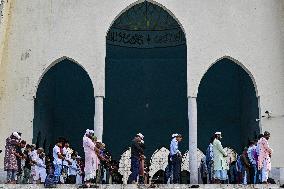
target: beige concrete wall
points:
(40, 32)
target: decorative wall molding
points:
(145, 25)
(159, 161)
(125, 165)
(185, 160)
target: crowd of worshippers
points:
(27, 164)
(252, 166)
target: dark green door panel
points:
(64, 105)
(145, 92)
(227, 102)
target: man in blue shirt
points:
(176, 157)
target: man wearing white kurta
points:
(220, 162)
(34, 156)
(90, 150)
(41, 167)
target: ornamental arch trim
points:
(145, 24)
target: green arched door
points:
(227, 102)
(64, 105)
(146, 79)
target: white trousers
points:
(264, 172)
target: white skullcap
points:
(92, 131)
(218, 133)
(15, 134)
(140, 135)
(174, 135)
(88, 131)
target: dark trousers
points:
(253, 174)
(176, 165)
(71, 179)
(134, 170)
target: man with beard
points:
(220, 162)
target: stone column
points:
(192, 122)
(99, 117)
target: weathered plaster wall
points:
(251, 32)
(39, 32)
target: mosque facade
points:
(155, 67)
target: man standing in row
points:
(176, 157)
(264, 158)
(91, 152)
(220, 162)
(136, 152)
(252, 155)
(10, 160)
(57, 162)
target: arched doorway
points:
(227, 102)
(64, 105)
(146, 79)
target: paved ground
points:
(34, 186)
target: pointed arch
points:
(228, 101)
(238, 63)
(148, 81)
(53, 63)
(150, 1)
(64, 104)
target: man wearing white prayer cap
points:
(140, 135)
(89, 132)
(136, 152)
(220, 162)
(16, 134)
(91, 159)
(175, 157)
(174, 135)
(218, 133)
(10, 160)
